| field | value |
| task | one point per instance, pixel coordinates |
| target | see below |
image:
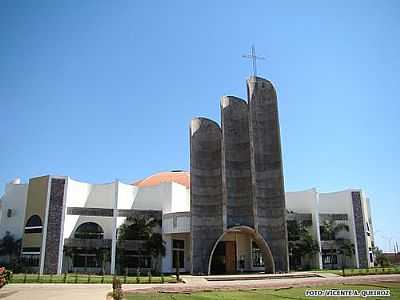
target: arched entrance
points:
(240, 248)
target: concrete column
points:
(205, 191)
(267, 170)
(114, 230)
(236, 169)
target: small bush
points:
(138, 276)
(5, 276)
(117, 289)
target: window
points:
(133, 259)
(256, 255)
(89, 230)
(31, 260)
(9, 213)
(85, 260)
(34, 225)
(329, 257)
(178, 251)
(174, 221)
(326, 236)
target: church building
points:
(229, 214)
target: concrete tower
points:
(236, 167)
(205, 190)
(267, 169)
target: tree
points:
(380, 258)
(329, 230)
(102, 257)
(301, 242)
(346, 249)
(142, 228)
(10, 247)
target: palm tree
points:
(329, 230)
(141, 228)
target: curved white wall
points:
(14, 198)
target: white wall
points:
(14, 198)
(154, 197)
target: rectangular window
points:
(174, 221)
(31, 260)
(178, 252)
(256, 255)
(85, 260)
(329, 259)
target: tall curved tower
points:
(236, 167)
(205, 190)
(267, 169)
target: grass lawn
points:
(370, 271)
(84, 278)
(262, 294)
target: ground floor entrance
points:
(224, 259)
(240, 249)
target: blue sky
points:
(100, 90)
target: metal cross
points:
(254, 58)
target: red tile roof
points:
(180, 177)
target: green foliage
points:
(380, 259)
(117, 289)
(301, 242)
(346, 249)
(142, 229)
(137, 228)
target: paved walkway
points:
(44, 291)
(99, 291)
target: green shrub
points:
(138, 276)
(117, 289)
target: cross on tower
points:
(254, 58)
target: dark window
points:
(178, 249)
(85, 260)
(9, 213)
(179, 244)
(133, 259)
(34, 225)
(30, 260)
(326, 236)
(329, 256)
(30, 249)
(89, 230)
(306, 223)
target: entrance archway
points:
(231, 252)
